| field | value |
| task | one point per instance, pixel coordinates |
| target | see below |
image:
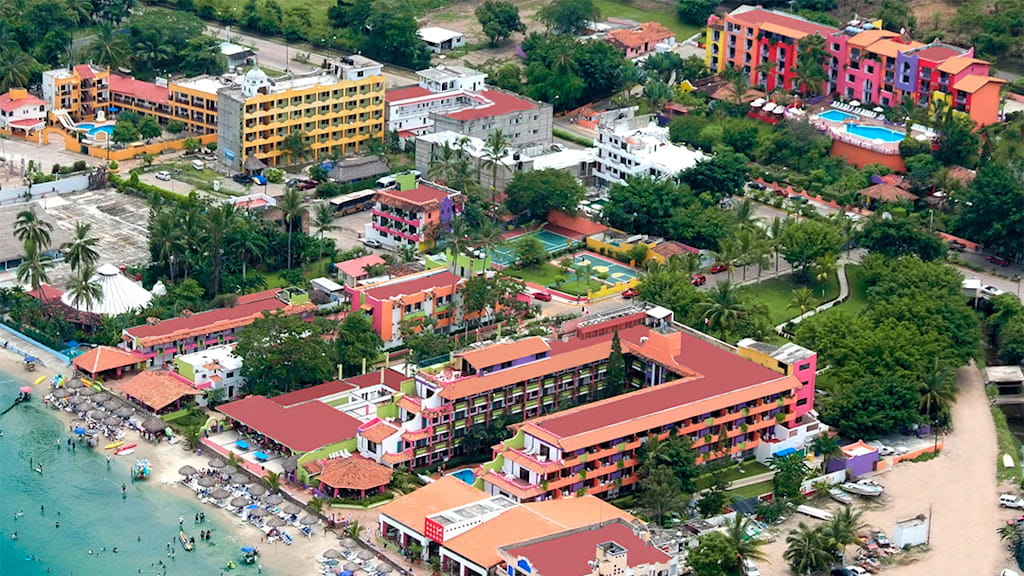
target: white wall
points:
(65, 185)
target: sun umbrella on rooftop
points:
(257, 490)
(219, 493)
(308, 520)
(207, 481)
(215, 463)
(240, 478)
(273, 499)
(332, 553)
(275, 522)
(239, 501)
(364, 555)
(186, 470)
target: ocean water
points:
(81, 492)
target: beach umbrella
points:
(215, 463)
(228, 470)
(219, 493)
(94, 415)
(248, 549)
(257, 490)
(239, 501)
(84, 406)
(258, 512)
(186, 470)
(79, 430)
(332, 553)
(351, 567)
(348, 543)
(153, 425)
(123, 412)
(308, 520)
(114, 403)
(275, 522)
(364, 555)
(61, 393)
(86, 392)
(111, 421)
(384, 568)
(76, 383)
(101, 397)
(240, 478)
(273, 499)
(292, 509)
(207, 481)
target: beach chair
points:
(286, 538)
(307, 531)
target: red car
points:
(630, 293)
(307, 185)
(698, 280)
(542, 296)
(719, 268)
(998, 260)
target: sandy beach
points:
(277, 559)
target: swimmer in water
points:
(114, 550)
(19, 514)
(56, 525)
(42, 509)
(14, 536)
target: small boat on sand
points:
(840, 496)
(113, 445)
(126, 449)
(863, 488)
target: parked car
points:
(956, 246)
(163, 175)
(242, 178)
(718, 268)
(756, 186)
(306, 185)
(542, 296)
(884, 450)
(750, 569)
(999, 260)
(990, 291)
(629, 293)
(855, 570)
(698, 280)
(371, 243)
(779, 192)
(1011, 501)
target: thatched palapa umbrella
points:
(364, 555)
(290, 463)
(75, 384)
(331, 553)
(86, 392)
(94, 415)
(257, 490)
(112, 421)
(61, 393)
(308, 520)
(219, 493)
(258, 512)
(239, 501)
(275, 522)
(101, 397)
(186, 470)
(229, 469)
(292, 509)
(207, 481)
(240, 478)
(274, 499)
(84, 406)
(348, 543)
(351, 567)
(215, 463)
(123, 412)
(154, 425)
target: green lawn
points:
(858, 299)
(666, 16)
(750, 468)
(310, 271)
(545, 274)
(752, 491)
(776, 293)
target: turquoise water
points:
(874, 133)
(466, 475)
(86, 494)
(92, 128)
(616, 272)
(837, 116)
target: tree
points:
(393, 38)
(722, 175)
(124, 132)
(896, 16)
(938, 391)
(109, 46)
(790, 472)
(493, 158)
(713, 499)
(713, 556)
(16, 68)
(696, 12)
(568, 16)
(220, 221)
(32, 270)
(530, 252)
(30, 228)
(958, 141)
(660, 494)
(873, 407)
(499, 20)
(323, 220)
(148, 127)
(827, 446)
(801, 299)
(80, 251)
(722, 308)
(191, 145)
(281, 352)
(810, 66)
(291, 209)
(615, 373)
(841, 530)
(533, 194)
(657, 93)
(670, 286)
(807, 550)
(272, 481)
(737, 531)
(84, 290)
(803, 243)
(419, 336)
(992, 211)
(247, 242)
(295, 145)
(357, 343)
(896, 237)
(602, 67)
(508, 76)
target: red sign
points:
(433, 530)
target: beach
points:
(162, 494)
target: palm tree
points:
(28, 227)
(442, 163)
(291, 208)
(457, 239)
(493, 154)
(775, 234)
(746, 213)
(323, 220)
(826, 446)
(109, 46)
(220, 221)
(739, 83)
(15, 69)
(353, 530)
(80, 251)
(810, 68)
(273, 481)
(165, 236)
(841, 530)
(802, 299)
(79, 10)
(722, 308)
(746, 548)
(806, 550)
(151, 52)
(823, 268)
(937, 391)
(657, 93)
(32, 270)
(247, 241)
(295, 145)
(765, 69)
(84, 290)
(315, 505)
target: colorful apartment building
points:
(645, 39)
(336, 111)
(82, 90)
(413, 213)
(161, 341)
(865, 62)
(432, 295)
(213, 368)
(21, 112)
(710, 392)
(440, 89)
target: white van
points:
(1011, 501)
(198, 164)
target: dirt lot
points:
(960, 489)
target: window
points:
(801, 402)
(804, 366)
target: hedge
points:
(566, 135)
(365, 502)
(141, 189)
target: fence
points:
(60, 357)
(65, 185)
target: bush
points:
(368, 501)
(113, 165)
(571, 137)
(274, 175)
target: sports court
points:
(617, 272)
(505, 255)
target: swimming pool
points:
(838, 116)
(616, 272)
(92, 128)
(875, 133)
(466, 475)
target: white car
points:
(163, 175)
(856, 570)
(1008, 572)
(990, 291)
(750, 569)
(372, 243)
(1011, 501)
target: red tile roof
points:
(392, 379)
(887, 193)
(418, 195)
(312, 393)
(504, 352)
(84, 71)
(49, 292)
(649, 33)
(355, 267)
(503, 103)
(672, 248)
(937, 53)
(355, 473)
(8, 104)
(758, 17)
(103, 358)
(569, 554)
(301, 428)
(157, 389)
(27, 122)
(406, 93)
(138, 89)
(412, 286)
(379, 432)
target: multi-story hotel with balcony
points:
(81, 90)
(864, 62)
(335, 111)
(412, 213)
(727, 404)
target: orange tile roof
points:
(957, 64)
(887, 193)
(397, 458)
(891, 48)
(649, 32)
(157, 389)
(867, 37)
(103, 358)
(528, 521)
(409, 404)
(378, 432)
(973, 82)
(355, 473)
(505, 352)
(448, 492)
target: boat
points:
(249, 554)
(141, 469)
(126, 449)
(840, 496)
(863, 489)
(40, 379)
(113, 445)
(814, 512)
(184, 541)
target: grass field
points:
(666, 16)
(752, 491)
(750, 468)
(776, 293)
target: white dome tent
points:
(120, 294)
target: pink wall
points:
(806, 391)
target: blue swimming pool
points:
(875, 133)
(838, 116)
(466, 475)
(92, 128)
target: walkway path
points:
(844, 293)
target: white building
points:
(20, 110)
(213, 368)
(119, 294)
(440, 89)
(638, 147)
(441, 39)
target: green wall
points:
(351, 445)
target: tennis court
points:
(617, 272)
(505, 255)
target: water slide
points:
(65, 120)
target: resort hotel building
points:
(635, 146)
(412, 213)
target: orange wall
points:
(985, 104)
(861, 157)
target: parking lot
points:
(348, 229)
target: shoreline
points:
(277, 559)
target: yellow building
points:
(82, 90)
(336, 111)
